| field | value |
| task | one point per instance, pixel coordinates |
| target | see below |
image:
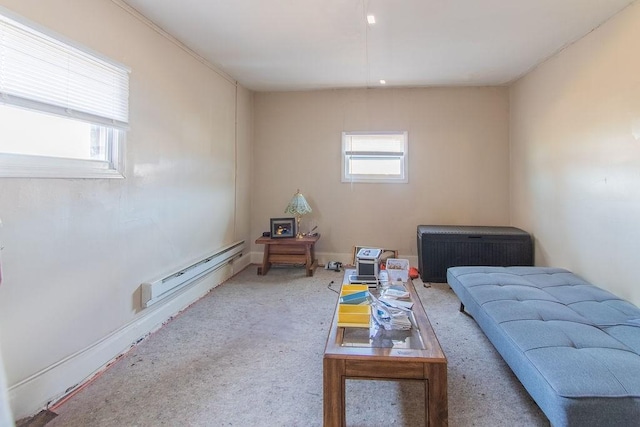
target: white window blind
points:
(42, 73)
(375, 157)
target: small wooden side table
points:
(288, 250)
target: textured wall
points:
(76, 251)
(575, 148)
(458, 162)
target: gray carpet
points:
(250, 354)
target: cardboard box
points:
(398, 269)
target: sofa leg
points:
(464, 312)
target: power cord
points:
(330, 288)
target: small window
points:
(64, 110)
(374, 157)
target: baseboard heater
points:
(152, 292)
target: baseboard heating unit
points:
(153, 292)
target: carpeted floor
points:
(250, 354)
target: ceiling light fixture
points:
(371, 19)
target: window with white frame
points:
(374, 157)
(64, 110)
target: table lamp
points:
(298, 206)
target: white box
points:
(368, 261)
(398, 269)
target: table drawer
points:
(384, 369)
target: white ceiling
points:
(273, 45)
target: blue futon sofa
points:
(574, 347)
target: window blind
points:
(42, 73)
(374, 156)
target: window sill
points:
(26, 166)
(348, 180)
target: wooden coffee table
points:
(390, 355)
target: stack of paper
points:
(396, 296)
(390, 317)
(397, 291)
(392, 302)
(400, 320)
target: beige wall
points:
(458, 163)
(76, 251)
(575, 148)
(209, 163)
(244, 165)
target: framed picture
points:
(283, 227)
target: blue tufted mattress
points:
(575, 347)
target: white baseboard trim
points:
(56, 381)
(53, 383)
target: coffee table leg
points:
(333, 391)
(436, 395)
